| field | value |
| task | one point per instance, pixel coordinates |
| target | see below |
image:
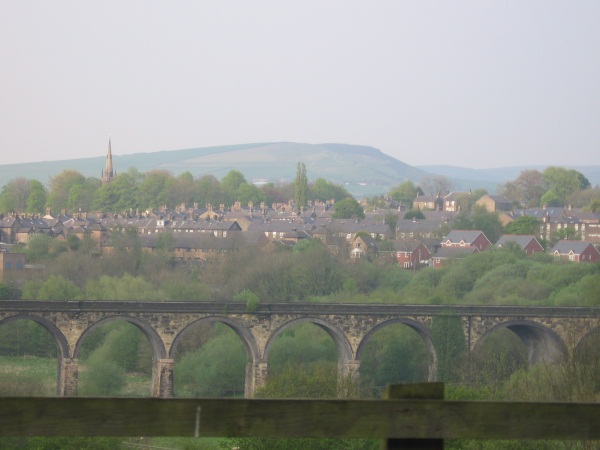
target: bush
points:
(249, 298)
(102, 378)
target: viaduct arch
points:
(547, 333)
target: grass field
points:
(33, 376)
(28, 376)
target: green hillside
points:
(362, 170)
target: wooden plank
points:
(435, 419)
(414, 391)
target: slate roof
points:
(566, 246)
(467, 236)
(522, 240)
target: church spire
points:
(108, 173)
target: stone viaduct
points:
(548, 333)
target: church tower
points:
(108, 174)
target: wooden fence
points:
(412, 416)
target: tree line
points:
(132, 190)
(554, 186)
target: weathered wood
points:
(415, 391)
(422, 419)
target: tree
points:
(324, 190)
(14, 195)
(60, 188)
(182, 189)
(526, 190)
(216, 369)
(5, 292)
(414, 214)
(488, 222)
(121, 194)
(36, 198)
(231, 183)
(595, 206)
(391, 221)
(38, 247)
(348, 209)
(450, 344)
(208, 191)
(479, 219)
(248, 297)
(301, 187)
(54, 288)
(404, 193)
(436, 184)
(523, 225)
(564, 182)
(566, 233)
(153, 189)
(247, 193)
(103, 378)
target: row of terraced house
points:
(203, 233)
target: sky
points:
(475, 83)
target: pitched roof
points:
(566, 246)
(467, 236)
(522, 240)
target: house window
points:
(571, 257)
(406, 265)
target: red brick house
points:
(466, 238)
(411, 254)
(576, 251)
(447, 255)
(529, 244)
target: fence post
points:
(417, 391)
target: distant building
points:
(449, 255)
(466, 238)
(529, 244)
(576, 251)
(108, 173)
(494, 203)
(11, 264)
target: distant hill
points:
(362, 170)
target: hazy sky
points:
(470, 83)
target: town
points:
(417, 235)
